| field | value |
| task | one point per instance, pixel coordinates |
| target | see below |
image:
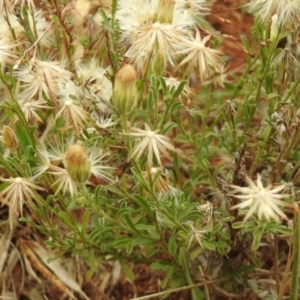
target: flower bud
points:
(77, 163)
(274, 27)
(9, 137)
(125, 92)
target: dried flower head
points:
(206, 59)
(103, 122)
(149, 32)
(96, 88)
(78, 163)
(195, 234)
(74, 115)
(173, 83)
(43, 161)
(7, 51)
(71, 107)
(64, 182)
(38, 77)
(162, 186)
(263, 200)
(153, 142)
(187, 11)
(288, 11)
(7, 22)
(16, 193)
(32, 110)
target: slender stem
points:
(296, 252)
(285, 278)
(188, 287)
(244, 76)
(275, 262)
(291, 91)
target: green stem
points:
(296, 262)
(243, 78)
(266, 67)
(291, 91)
(113, 13)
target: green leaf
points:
(163, 85)
(196, 252)
(85, 221)
(146, 241)
(253, 284)
(257, 235)
(172, 245)
(238, 225)
(284, 230)
(130, 223)
(167, 128)
(122, 242)
(174, 107)
(104, 16)
(166, 280)
(221, 244)
(123, 211)
(52, 244)
(238, 278)
(93, 263)
(182, 257)
(217, 228)
(73, 204)
(151, 252)
(97, 196)
(208, 245)
(98, 233)
(39, 227)
(22, 136)
(67, 220)
(144, 204)
(179, 89)
(140, 179)
(145, 227)
(129, 248)
(273, 96)
(114, 7)
(127, 271)
(161, 265)
(197, 294)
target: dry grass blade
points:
(55, 267)
(4, 246)
(40, 266)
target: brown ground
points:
(229, 17)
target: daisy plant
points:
(146, 152)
